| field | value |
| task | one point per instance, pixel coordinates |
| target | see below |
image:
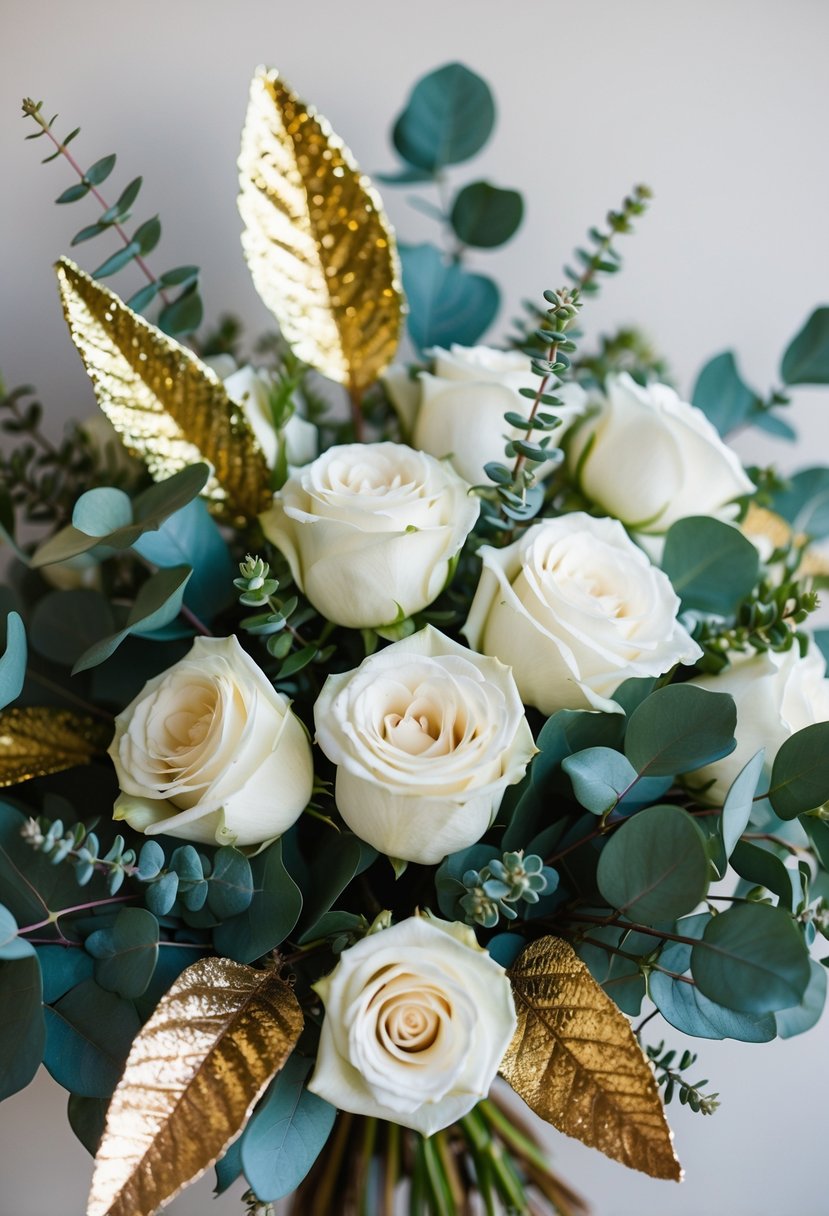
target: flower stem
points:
(53, 917)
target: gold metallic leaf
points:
(193, 1075)
(575, 1061)
(38, 740)
(168, 407)
(320, 249)
(774, 532)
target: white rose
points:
(417, 1020)
(575, 608)
(251, 389)
(776, 694)
(426, 736)
(649, 458)
(210, 751)
(457, 410)
(370, 530)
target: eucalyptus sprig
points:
(670, 1076)
(180, 315)
(495, 889)
(279, 624)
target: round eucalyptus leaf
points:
(739, 802)
(271, 915)
(13, 660)
(88, 1036)
(62, 969)
(12, 946)
(599, 775)
(804, 1016)
(66, 623)
(230, 887)
(654, 868)
(806, 360)
(690, 1011)
(722, 395)
(485, 216)
(286, 1133)
(800, 773)
(87, 1117)
(680, 728)
(752, 958)
(446, 303)
(448, 118)
(126, 953)
(22, 1031)
(102, 511)
(711, 565)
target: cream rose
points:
(575, 608)
(426, 736)
(251, 389)
(776, 694)
(210, 751)
(371, 530)
(648, 458)
(417, 1020)
(457, 410)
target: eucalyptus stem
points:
(53, 917)
(32, 110)
(634, 958)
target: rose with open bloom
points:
(457, 410)
(648, 458)
(426, 736)
(210, 751)
(417, 1020)
(575, 608)
(776, 694)
(371, 530)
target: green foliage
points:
(654, 868)
(22, 1029)
(800, 773)
(680, 728)
(804, 1016)
(87, 1117)
(12, 946)
(486, 216)
(64, 624)
(89, 1032)
(739, 802)
(191, 537)
(278, 626)
(603, 258)
(179, 316)
(446, 303)
(337, 860)
(624, 350)
(13, 660)
(600, 777)
(158, 603)
(803, 500)
(493, 891)
(669, 1073)
(125, 952)
(286, 1134)
(806, 360)
(712, 566)
(271, 915)
(448, 117)
(752, 958)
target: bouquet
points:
(356, 756)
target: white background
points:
(720, 105)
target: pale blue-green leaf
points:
(158, 602)
(739, 801)
(191, 537)
(599, 776)
(102, 511)
(13, 661)
(711, 564)
(804, 1016)
(446, 303)
(447, 119)
(806, 360)
(680, 728)
(752, 958)
(722, 394)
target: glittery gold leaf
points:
(318, 245)
(38, 740)
(575, 1061)
(193, 1075)
(168, 407)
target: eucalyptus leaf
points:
(600, 775)
(191, 537)
(127, 953)
(800, 772)
(485, 216)
(87, 1117)
(447, 119)
(505, 947)
(711, 565)
(231, 883)
(12, 946)
(446, 303)
(762, 868)
(739, 802)
(88, 1035)
(654, 868)
(804, 502)
(62, 968)
(158, 602)
(286, 1133)
(804, 1016)
(271, 916)
(22, 1031)
(722, 394)
(65, 624)
(752, 959)
(337, 860)
(680, 728)
(13, 660)
(102, 511)
(806, 360)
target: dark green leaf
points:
(118, 260)
(446, 303)
(100, 171)
(806, 360)
(179, 276)
(739, 802)
(86, 234)
(680, 728)
(722, 395)
(231, 883)
(88, 1035)
(752, 958)
(65, 623)
(337, 860)
(485, 216)
(654, 868)
(711, 564)
(22, 1032)
(804, 1016)
(144, 296)
(272, 914)
(87, 1117)
(126, 954)
(448, 118)
(73, 193)
(127, 197)
(800, 773)
(184, 315)
(13, 660)
(762, 868)
(286, 1133)
(147, 235)
(62, 967)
